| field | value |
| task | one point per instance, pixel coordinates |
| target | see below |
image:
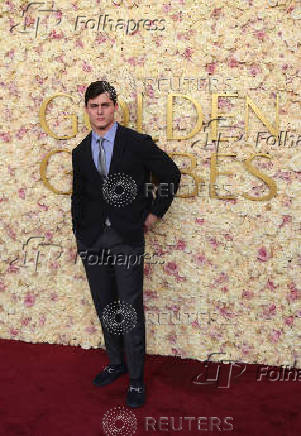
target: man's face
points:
(101, 112)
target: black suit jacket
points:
(135, 155)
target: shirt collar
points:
(109, 134)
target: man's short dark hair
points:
(100, 87)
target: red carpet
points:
(47, 390)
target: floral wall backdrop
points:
(217, 85)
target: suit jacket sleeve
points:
(166, 171)
(77, 192)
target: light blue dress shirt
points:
(108, 143)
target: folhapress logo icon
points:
(119, 421)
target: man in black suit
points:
(112, 205)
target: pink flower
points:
(246, 348)
(166, 7)
(180, 279)
(187, 53)
(81, 89)
(13, 332)
(195, 323)
(147, 269)
(262, 255)
(11, 232)
(22, 193)
(254, 70)
(86, 67)
(101, 38)
(233, 62)
(226, 312)
(171, 268)
(149, 295)
(294, 293)
(5, 137)
(79, 43)
(216, 12)
(176, 17)
(270, 310)
(292, 296)
(181, 245)
(247, 294)
(54, 265)
(42, 320)
(223, 277)
(260, 34)
(199, 220)
(11, 53)
(271, 285)
(11, 170)
(210, 68)
(289, 320)
(285, 175)
(21, 132)
(91, 329)
(54, 296)
(2, 286)
(132, 61)
(49, 235)
(213, 242)
(42, 206)
(29, 299)
(275, 335)
(172, 339)
(286, 219)
(25, 321)
(55, 35)
(292, 285)
(173, 308)
(200, 259)
(13, 268)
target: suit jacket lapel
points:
(116, 156)
(118, 147)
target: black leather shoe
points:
(109, 374)
(135, 396)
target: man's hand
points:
(150, 220)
